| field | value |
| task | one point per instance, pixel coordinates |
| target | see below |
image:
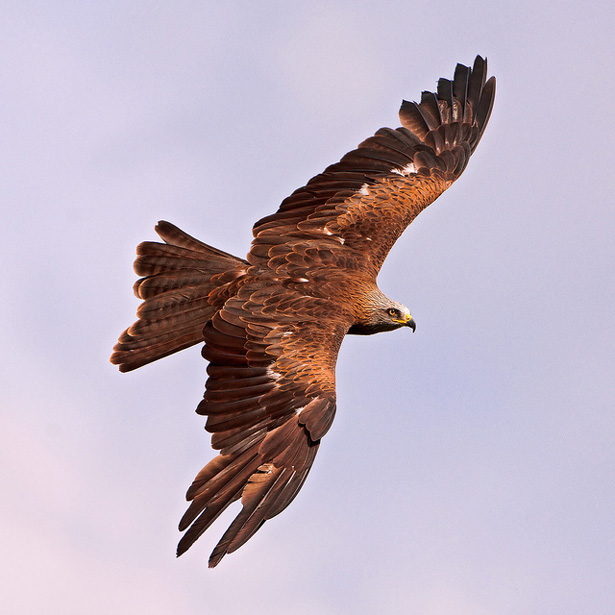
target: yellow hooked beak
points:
(408, 322)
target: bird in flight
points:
(272, 324)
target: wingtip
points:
(214, 560)
(182, 547)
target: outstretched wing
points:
(269, 399)
(366, 200)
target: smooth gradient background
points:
(471, 466)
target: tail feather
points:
(179, 277)
(173, 301)
(153, 335)
(144, 288)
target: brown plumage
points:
(273, 324)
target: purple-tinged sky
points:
(471, 466)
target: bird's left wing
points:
(269, 399)
(365, 201)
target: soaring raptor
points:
(273, 324)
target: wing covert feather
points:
(269, 399)
(373, 193)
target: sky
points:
(471, 466)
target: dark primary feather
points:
(367, 199)
(270, 398)
(273, 324)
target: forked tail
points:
(184, 282)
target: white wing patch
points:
(409, 169)
(273, 375)
(326, 231)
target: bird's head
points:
(392, 316)
(383, 314)
(398, 315)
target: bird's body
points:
(273, 324)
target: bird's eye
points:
(393, 312)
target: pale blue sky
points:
(471, 466)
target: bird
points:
(272, 324)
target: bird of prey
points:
(272, 324)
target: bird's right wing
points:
(269, 399)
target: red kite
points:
(273, 324)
